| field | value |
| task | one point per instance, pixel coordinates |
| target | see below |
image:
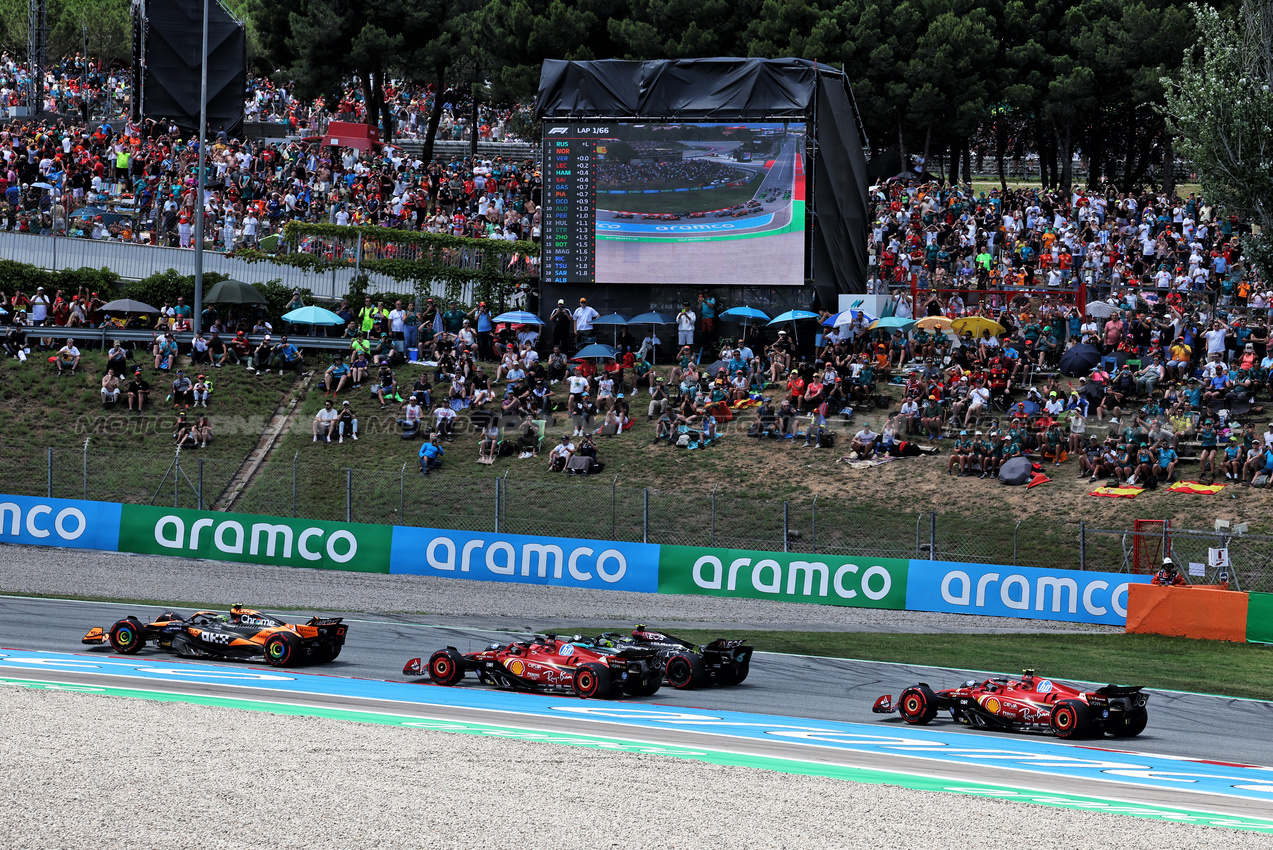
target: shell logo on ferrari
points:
(517, 667)
(991, 705)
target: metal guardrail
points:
(134, 262)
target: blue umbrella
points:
(892, 323)
(518, 317)
(839, 320)
(746, 313)
(652, 319)
(792, 316)
(615, 320)
(595, 351)
(313, 315)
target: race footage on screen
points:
(703, 204)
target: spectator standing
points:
(685, 321)
(583, 318)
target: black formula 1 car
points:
(547, 664)
(241, 635)
(685, 664)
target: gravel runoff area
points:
(40, 571)
(170, 774)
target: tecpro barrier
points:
(1259, 618)
(859, 582)
(1070, 595)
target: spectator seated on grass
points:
(347, 422)
(336, 376)
(584, 460)
(110, 388)
(67, 358)
(117, 358)
(14, 343)
(199, 350)
(582, 412)
(202, 389)
(164, 349)
(488, 444)
(412, 418)
(240, 350)
(262, 356)
(386, 388)
(431, 454)
(325, 422)
(541, 399)
(287, 357)
(560, 454)
(482, 393)
(444, 422)
(528, 440)
(138, 392)
(219, 354)
(863, 442)
(182, 391)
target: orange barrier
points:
(1206, 612)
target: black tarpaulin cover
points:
(174, 42)
(680, 89)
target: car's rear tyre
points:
(283, 649)
(1132, 724)
(917, 705)
(737, 674)
(685, 670)
(1071, 719)
(446, 667)
(125, 637)
(592, 681)
(648, 688)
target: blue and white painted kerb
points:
(1032, 756)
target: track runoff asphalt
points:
(1180, 724)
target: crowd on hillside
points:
(1169, 349)
(697, 171)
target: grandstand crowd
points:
(687, 172)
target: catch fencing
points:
(601, 508)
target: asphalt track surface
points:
(1183, 725)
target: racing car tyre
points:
(736, 674)
(917, 705)
(1071, 719)
(592, 681)
(685, 670)
(283, 649)
(446, 667)
(125, 637)
(1132, 725)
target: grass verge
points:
(1198, 666)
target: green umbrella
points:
(234, 292)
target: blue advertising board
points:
(1074, 596)
(59, 522)
(525, 559)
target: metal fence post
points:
(813, 526)
(786, 526)
(1015, 529)
(200, 493)
(614, 508)
(402, 494)
(294, 459)
(50, 453)
(645, 516)
(176, 478)
(932, 535)
(919, 526)
(86, 439)
(349, 495)
(498, 492)
(714, 489)
(1082, 545)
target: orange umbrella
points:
(934, 323)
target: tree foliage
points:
(1221, 107)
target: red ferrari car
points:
(1029, 703)
(548, 665)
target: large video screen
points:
(675, 203)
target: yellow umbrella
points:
(934, 323)
(975, 325)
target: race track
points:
(1181, 725)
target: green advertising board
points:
(147, 530)
(1259, 618)
(856, 582)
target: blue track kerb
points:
(1033, 756)
(524, 559)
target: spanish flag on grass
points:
(1196, 488)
